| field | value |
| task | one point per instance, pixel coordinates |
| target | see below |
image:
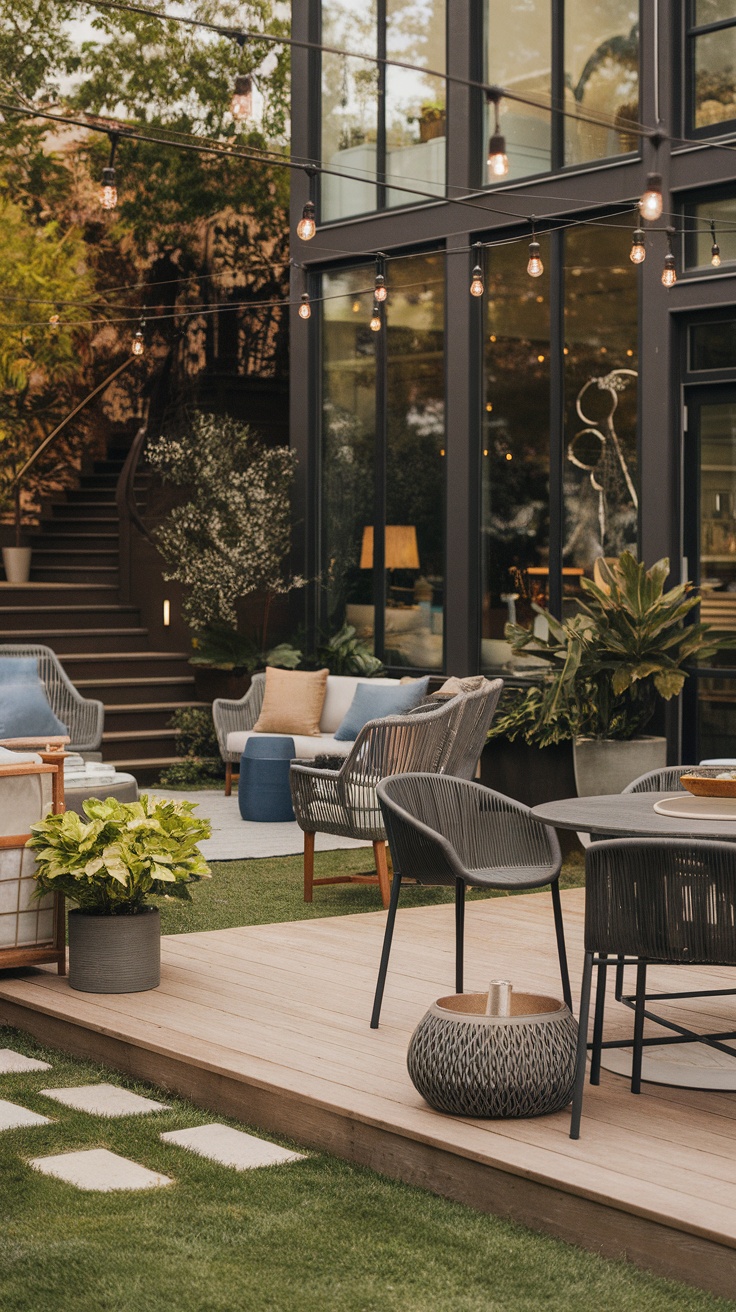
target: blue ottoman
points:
(263, 791)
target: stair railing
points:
(129, 516)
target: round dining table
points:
(632, 815)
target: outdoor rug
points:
(234, 839)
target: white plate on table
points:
(683, 806)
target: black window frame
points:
(694, 30)
(685, 203)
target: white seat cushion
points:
(304, 748)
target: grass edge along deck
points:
(269, 1024)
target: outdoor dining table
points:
(632, 815)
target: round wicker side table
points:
(469, 1064)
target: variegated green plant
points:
(124, 852)
(625, 646)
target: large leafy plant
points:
(124, 853)
(611, 661)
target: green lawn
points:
(313, 1236)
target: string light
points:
(638, 252)
(498, 163)
(669, 272)
(375, 323)
(534, 268)
(307, 227)
(108, 190)
(650, 202)
(54, 321)
(715, 250)
(380, 291)
(138, 344)
(305, 309)
(476, 281)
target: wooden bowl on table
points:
(701, 785)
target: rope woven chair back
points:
(398, 744)
(476, 714)
(83, 717)
(668, 900)
(666, 780)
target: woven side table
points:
(469, 1064)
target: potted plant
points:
(609, 666)
(109, 866)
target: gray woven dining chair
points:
(83, 716)
(344, 801)
(654, 900)
(448, 831)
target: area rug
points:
(234, 839)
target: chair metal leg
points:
(600, 1007)
(579, 1088)
(459, 933)
(386, 951)
(308, 865)
(561, 949)
(641, 1000)
(619, 977)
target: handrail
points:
(72, 413)
(125, 491)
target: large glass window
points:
(515, 451)
(716, 207)
(598, 76)
(711, 53)
(600, 354)
(383, 427)
(382, 125)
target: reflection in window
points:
(600, 466)
(712, 56)
(348, 439)
(520, 58)
(515, 451)
(416, 121)
(718, 207)
(601, 76)
(349, 109)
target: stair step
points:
(127, 692)
(59, 593)
(95, 495)
(146, 715)
(73, 573)
(77, 555)
(90, 665)
(63, 640)
(40, 620)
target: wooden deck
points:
(270, 1024)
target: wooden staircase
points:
(72, 604)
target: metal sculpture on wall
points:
(608, 468)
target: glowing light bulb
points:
(138, 345)
(54, 322)
(241, 105)
(108, 190)
(638, 252)
(498, 161)
(306, 227)
(476, 284)
(715, 255)
(534, 268)
(305, 309)
(650, 204)
(375, 323)
(669, 273)
(380, 291)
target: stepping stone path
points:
(12, 1062)
(11, 1116)
(105, 1100)
(229, 1147)
(100, 1170)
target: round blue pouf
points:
(263, 791)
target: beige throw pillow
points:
(292, 702)
(453, 685)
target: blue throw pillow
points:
(18, 669)
(373, 701)
(25, 712)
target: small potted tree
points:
(109, 866)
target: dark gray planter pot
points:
(115, 954)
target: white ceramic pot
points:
(607, 765)
(17, 562)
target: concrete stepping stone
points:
(105, 1100)
(100, 1170)
(16, 1061)
(220, 1143)
(11, 1116)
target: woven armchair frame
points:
(83, 716)
(237, 716)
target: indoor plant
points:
(109, 866)
(610, 663)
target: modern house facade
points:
(476, 453)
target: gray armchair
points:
(236, 717)
(83, 716)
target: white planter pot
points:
(607, 765)
(17, 562)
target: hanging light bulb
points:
(715, 250)
(669, 272)
(498, 163)
(534, 268)
(241, 104)
(138, 345)
(650, 203)
(305, 309)
(380, 291)
(638, 252)
(375, 323)
(54, 321)
(476, 280)
(108, 190)
(306, 227)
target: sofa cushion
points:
(340, 692)
(25, 711)
(305, 746)
(292, 702)
(373, 703)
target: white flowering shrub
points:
(232, 537)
